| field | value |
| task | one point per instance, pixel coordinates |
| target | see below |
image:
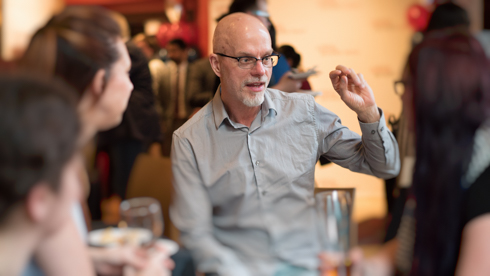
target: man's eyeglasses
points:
(247, 62)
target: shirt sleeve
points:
(477, 197)
(375, 153)
(191, 212)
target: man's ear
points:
(213, 59)
(38, 202)
(98, 83)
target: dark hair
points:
(449, 78)
(152, 42)
(179, 43)
(289, 53)
(39, 130)
(240, 6)
(243, 6)
(74, 45)
(448, 15)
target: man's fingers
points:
(334, 75)
(354, 78)
(135, 257)
(169, 264)
(343, 69)
(361, 78)
(342, 85)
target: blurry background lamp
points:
(152, 26)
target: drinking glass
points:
(142, 219)
(334, 210)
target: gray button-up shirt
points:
(244, 196)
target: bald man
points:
(244, 164)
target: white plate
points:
(111, 236)
(303, 75)
(171, 246)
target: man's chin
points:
(256, 100)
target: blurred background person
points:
(84, 47)
(173, 94)
(447, 15)
(452, 217)
(294, 61)
(149, 46)
(38, 165)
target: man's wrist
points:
(370, 116)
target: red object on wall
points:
(124, 6)
(183, 30)
(198, 35)
(418, 17)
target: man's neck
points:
(17, 246)
(240, 113)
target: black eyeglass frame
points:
(274, 54)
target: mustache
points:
(262, 79)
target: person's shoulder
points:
(275, 94)
(198, 123)
(157, 62)
(157, 65)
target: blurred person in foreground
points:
(244, 165)
(38, 165)
(445, 15)
(447, 99)
(83, 46)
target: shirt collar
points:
(268, 105)
(220, 113)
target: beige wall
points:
(21, 18)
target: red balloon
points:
(418, 17)
(183, 30)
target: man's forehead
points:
(238, 28)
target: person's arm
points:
(475, 248)
(288, 84)
(191, 212)
(116, 260)
(381, 264)
(64, 253)
(378, 153)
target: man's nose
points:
(258, 69)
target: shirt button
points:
(373, 131)
(264, 193)
(257, 163)
(382, 128)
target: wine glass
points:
(334, 209)
(142, 219)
